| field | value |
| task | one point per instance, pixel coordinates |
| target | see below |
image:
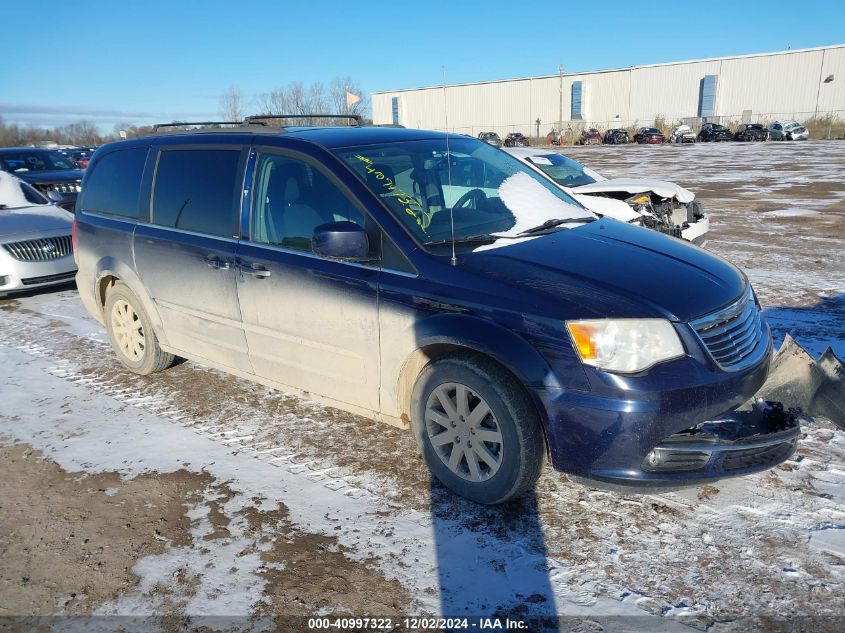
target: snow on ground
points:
(767, 546)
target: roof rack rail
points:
(159, 126)
(259, 117)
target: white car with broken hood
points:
(35, 238)
(656, 204)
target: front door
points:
(310, 322)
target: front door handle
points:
(212, 261)
(255, 269)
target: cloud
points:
(56, 115)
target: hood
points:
(610, 207)
(661, 188)
(60, 175)
(609, 269)
(33, 219)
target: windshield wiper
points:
(550, 224)
(462, 240)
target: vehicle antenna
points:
(454, 260)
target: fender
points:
(510, 350)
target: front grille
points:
(40, 250)
(733, 334)
(59, 187)
(31, 281)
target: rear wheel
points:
(476, 428)
(131, 333)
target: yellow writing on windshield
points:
(409, 203)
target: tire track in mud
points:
(693, 555)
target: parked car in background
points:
(432, 281)
(713, 133)
(649, 135)
(789, 131)
(46, 170)
(516, 139)
(35, 238)
(79, 155)
(616, 136)
(751, 132)
(590, 137)
(491, 138)
(655, 204)
(682, 134)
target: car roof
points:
(328, 137)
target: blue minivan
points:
(435, 283)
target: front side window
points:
(292, 198)
(489, 193)
(196, 190)
(112, 188)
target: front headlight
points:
(625, 345)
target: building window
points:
(577, 111)
(394, 106)
(707, 96)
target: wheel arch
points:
(445, 335)
(109, 272)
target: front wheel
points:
(477, 430)
(131, 333)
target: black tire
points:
(522, 447)
(152, 358)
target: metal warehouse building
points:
(795, 84)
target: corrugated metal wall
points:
(779, 85)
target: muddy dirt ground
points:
(192, 493)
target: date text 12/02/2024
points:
(417, 624)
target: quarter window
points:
(195, 190)
(292, 198)
(112, 188)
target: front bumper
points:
(697, 231)
(608, 433)
(17, 276)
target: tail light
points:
(74, 242)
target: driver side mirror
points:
(54, 196)
(341, 240)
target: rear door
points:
(185, 255)
(311, 322)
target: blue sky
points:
(141, 62)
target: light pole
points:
(828, 80)
(560, 112)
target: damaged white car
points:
(655, 204)
(682, 134)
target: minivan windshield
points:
(490, 194)
(23, 161)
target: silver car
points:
(35, 238)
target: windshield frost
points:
(489, 192)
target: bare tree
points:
(231, 105)
(297, 98)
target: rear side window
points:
(112, 188)
(195, 190)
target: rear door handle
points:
(255, 269)
(216, 263)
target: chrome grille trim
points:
(59, 187)
(733, 334)
(40, 250)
